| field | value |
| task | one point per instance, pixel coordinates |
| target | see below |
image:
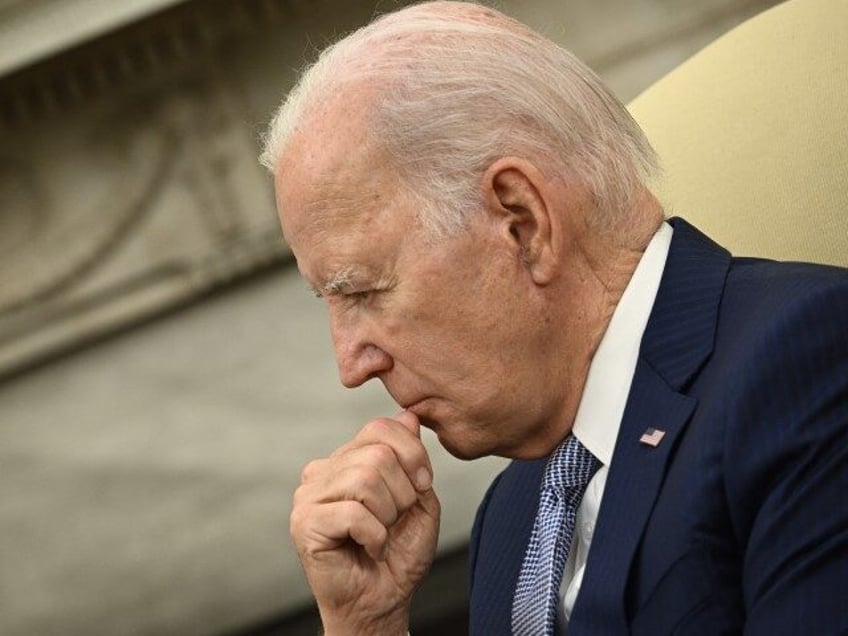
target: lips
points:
(417, 404)
(406, 402)
(412, 405)
(418, 407)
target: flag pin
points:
(652, 437)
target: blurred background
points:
(164, 374)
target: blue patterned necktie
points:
(567, 474)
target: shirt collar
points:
(614, 363)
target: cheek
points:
(473, 329)
(460, 306)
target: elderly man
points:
(469, 201)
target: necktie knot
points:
(570, 467)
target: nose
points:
(359, 359)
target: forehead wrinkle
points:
(330, 202)
(323, 219)
(343, 179)
(335, 193)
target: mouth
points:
(413, 406)
(406, 403)
(419, 409)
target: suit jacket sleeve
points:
(787, 467)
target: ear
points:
(517, 195)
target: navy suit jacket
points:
(738, 520)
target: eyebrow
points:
(339, 282)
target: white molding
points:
(35, 29)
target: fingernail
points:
(423, 479)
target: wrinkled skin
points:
(365, 524)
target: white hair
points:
(460, 85)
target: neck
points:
(613, 255)
(588, 298)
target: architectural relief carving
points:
(118, 203)
(128, 175)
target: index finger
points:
(402, 435)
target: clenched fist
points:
(365, 522)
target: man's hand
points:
(365, 522)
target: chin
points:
(461, 449)
(466, 448)
(460, 452)
(457, 437)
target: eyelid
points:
(361, 297)
(346, 289)
(357, 294)
(350, 289)
(349, 292)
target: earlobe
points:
(516, 194)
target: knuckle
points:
(381, 455)
(377, 428)
(296, 523)
(298, 497)
(369, 478)
(352, 511)
(310, 470)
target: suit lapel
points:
(677, 341)
(635, 477)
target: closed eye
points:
(350, 298)
(359, 296)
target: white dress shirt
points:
(602, 403)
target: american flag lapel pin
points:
(652, 437)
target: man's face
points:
(454, 328)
